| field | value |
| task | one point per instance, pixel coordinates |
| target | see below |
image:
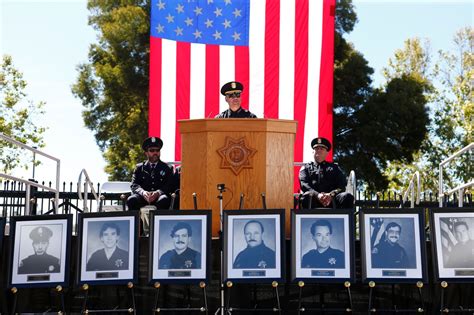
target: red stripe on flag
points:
(242, 71)
(154, 107)
(183, 89)
(212, 81)
(326, 73)
(272, 58)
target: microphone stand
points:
(221, 188)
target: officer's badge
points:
(119, 263)
(188, 264)
(319, 140)
(51, 268)
(153, 139)
(262, 264)
(162, 173)
(332, 261)
(375, 250)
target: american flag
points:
(448, 240)
(281, 50)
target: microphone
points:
(173, 197)
(195, 201)
(241, 203)
(264, 202)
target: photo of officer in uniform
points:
(181, 256)
(40, 261)
(110, 256)
(323, 256)
(462, 254)
(256, 254)
(387, 252)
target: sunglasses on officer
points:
(234, 95)
(153, 150)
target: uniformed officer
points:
(462, 254)
(323, 181)
(182, 256)
(111, 257)
(232, 92)
(256, 254)
(388, 253)
(40, 261)
(152, 180)
(324, 256)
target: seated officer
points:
(323, 181)
(40, 261)
(152, 179)
(232, 91)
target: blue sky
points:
(48, 39)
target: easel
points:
(58, 289)
(444, 309)
(277, 308)
(130, 310)
(186, 296)
(372, 309)
(322, 309)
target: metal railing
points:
(460, 188)
(31, 183)
(414, 184)
(87, 184)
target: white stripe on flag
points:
(257, 58)
(198, 81)
(314, 65)
(168, 100)
(226, 71)
(444, 227)
(287, 57)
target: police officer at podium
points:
(152, 180)
(232, 92)
(323, 181)
(182, 256)
(40, 261)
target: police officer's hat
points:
(41, 234)
(181, 225)
(231, 87)
(321, 142)
(152, 142)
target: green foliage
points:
(113, 86)
(17, 117)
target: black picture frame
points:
(336, 232)
(405, 262)
(188, 231)
(269, 259)
(115, 230)
(446, 244)
(52, 236)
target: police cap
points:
(152, 142)
(321, 142)
(41, 234)
(181, 225)
(231, 87)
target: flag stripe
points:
(212, 81)
(272, 58)
(154, 108)
(242, 71)
(198, 82)
(287, 56)
(183, 86)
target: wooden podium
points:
(249, 156)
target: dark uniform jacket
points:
(255, 257)
(189, 259)
(240, 113)
(39, 264)
(321, 177)
(99, 261)
(462, 255)
(144, 179)
(385, 255)
(330, 258)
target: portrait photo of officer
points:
(256, 254)
(109, 256)
(40, 261)
(462, 253)
(392, 243)
(181, 235)
(323, 254)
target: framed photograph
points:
(254, 245)
(322, 245)
(452, 242)
(393, 245)
(180, 246)
(39, 252)
(107, 248)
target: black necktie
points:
(153, 166)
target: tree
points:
(17, 117)
(373, 126)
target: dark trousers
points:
(135, 202)
(343, 200)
